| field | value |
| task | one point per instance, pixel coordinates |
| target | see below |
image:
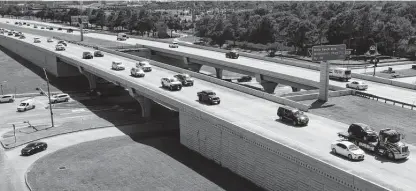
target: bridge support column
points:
(191, 66)
(145, 103)
(92, 79)
(268, 86)
(218, 72)
(324, 82)
(295, 89)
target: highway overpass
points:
(245, 138)
(271, 69)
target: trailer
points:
(388, 143)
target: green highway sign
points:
(329, 52)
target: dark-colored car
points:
(33, 148)
(10, 33)
(87, 55)
(59, 29)
(24, 23)
(17, 34)
(208, 96)
(50, 28)
(22, 37)
(362, 131)
(185, 79)
(98, 53)
(69, 30)
(232, 54)
(62, 42)
(297, 117)
(16, 23)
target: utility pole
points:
(49, 97)
(81, 25)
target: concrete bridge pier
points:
(145, 103)
(268, 86)
(92, 79)
(191, 66)
(218, 72)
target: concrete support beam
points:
(145, 103)
(324, 82)
(218, 72)
(295, 89)
(191, 66)
(268, 86)
(92, 79)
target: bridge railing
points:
(386, 100)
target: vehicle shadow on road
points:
(289, 123)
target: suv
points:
(362, 131)
(98, 53)
(137, 72)
(17, 34)
(59, 47)
(60, 98)
(232, 54)
(7, 98)
(208, 96)
(87, 55)
(62, 42)
(185, 79)
(296, 116)
(117, 65)
(174, 45)
(171, 83)
(144, 65)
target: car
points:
(60, 98)
(10, 33)
(59, 29)
(7, 21)
(35, 26)
(232, 54)
(137, 72)
(24, 23)
(28, 24)
(22, 37)
(51, 28)
(50, 40)
(33, 148)
(85, 31)
(362, 131)
(286, 113)
(174, 45)
(36, 40)
(26, 105)
(117, 65)
(42, 27)
(98, 53)
(185, 79)
(347, 149)
(208, 96)
(171, 84)
(59, 47)
(63, 42)
(69, 30)
(144, 65)
(359, 85)
(7, 98)
(17, 34)
(16, 23)
(87, 55)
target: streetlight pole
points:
(80, 21)
(349, 47)
(49, 97)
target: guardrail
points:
(386, 100)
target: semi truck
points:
(387, 143)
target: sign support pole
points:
(324, 82)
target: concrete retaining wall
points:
(311, 96)
(231, 85)
(269, 164)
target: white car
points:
(50, 40)
(117, 65)
(36, 40)
(60, 98)
(26, 105)
(137, 72)
(347, 149)
(171, 83)
(6, 98)
(60, 47)
(357, 85)
(144, 65)
(174, 45)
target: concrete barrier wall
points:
(311, 96)
(384, 81)
(340, 93)
(269, 164)
(224, 83)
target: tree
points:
(101, 18)
(217, 34)
(133, 22)
(120, 20)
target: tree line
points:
(388, 25)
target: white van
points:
(26, 105)
(342, 74)
(121, 36)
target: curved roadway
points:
(383, 90)
(260, 117)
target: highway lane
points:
(383, 90)
(260, 116)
